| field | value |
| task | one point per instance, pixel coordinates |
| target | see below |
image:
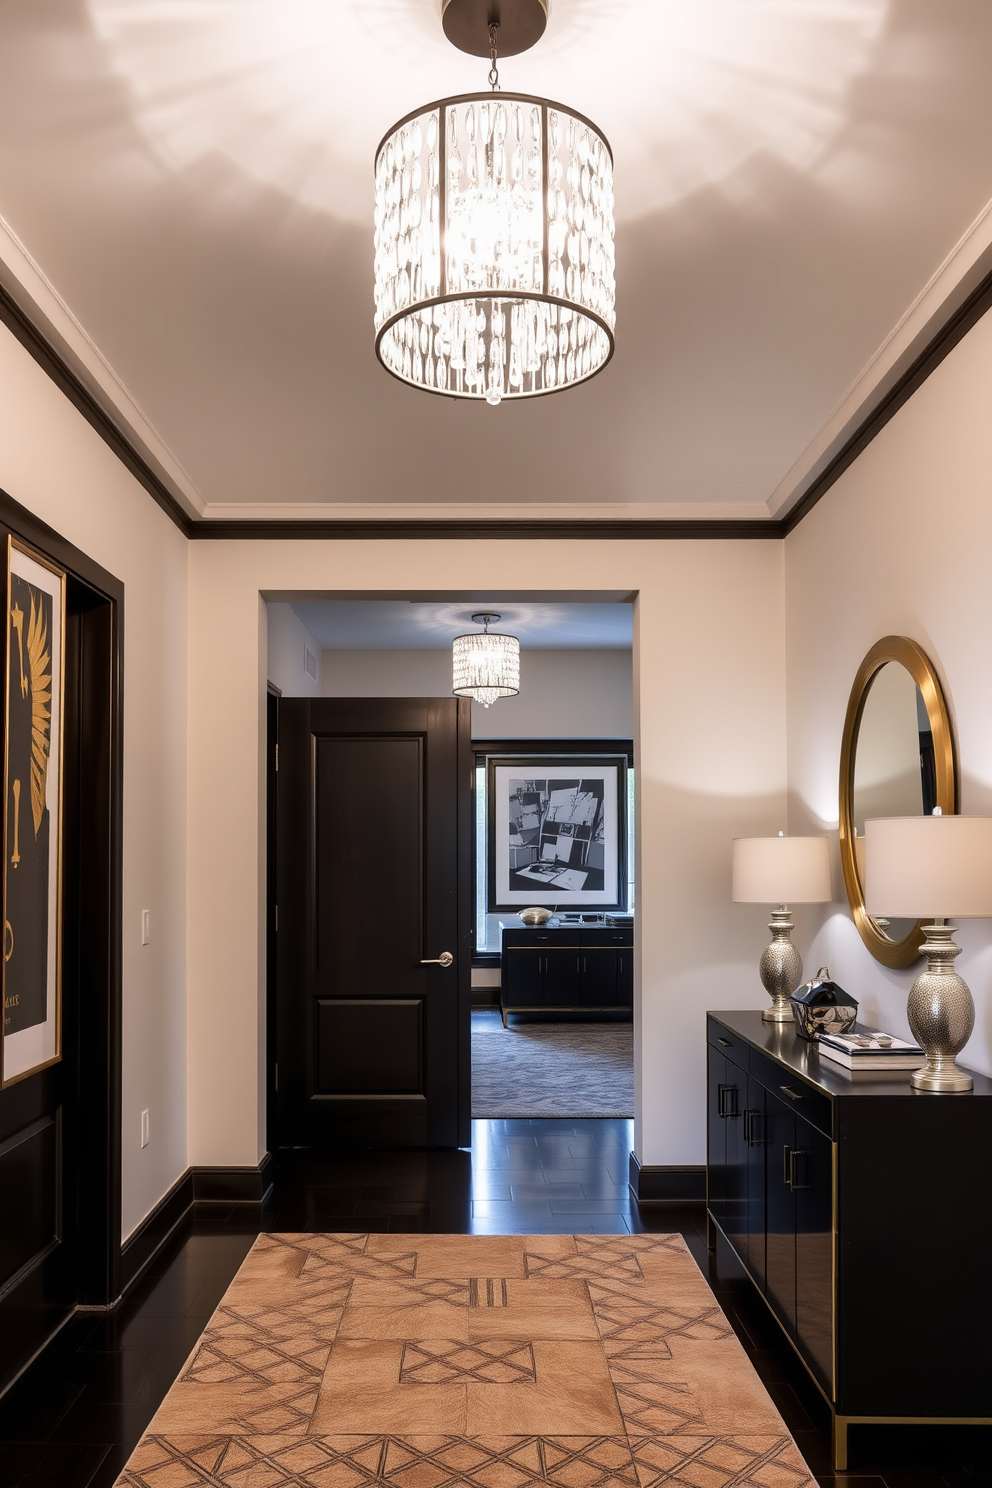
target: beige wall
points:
(288, 639)
(901, 545)
(563, 693)
(52, 462)
(709, 734)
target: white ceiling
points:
(418, 625)
(186, 188)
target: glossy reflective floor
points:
(74, 1417)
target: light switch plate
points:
(146, 926)
(144, 1128)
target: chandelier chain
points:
(493, 69)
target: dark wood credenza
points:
(566, 969)
(862, 1212)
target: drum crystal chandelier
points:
(485, 667)
(494, 261)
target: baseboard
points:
(485, 997)
(141, 1247)
(195, 1186)
(663, 1184)
(232, 1185)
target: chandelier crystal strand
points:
(494, 260)
(485, 667)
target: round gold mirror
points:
(896, 759)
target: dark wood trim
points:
(555, 746)
(79, 395)
(667, 1184)
(548, 529)
(98, 608)
(232, 1185)
(942, 341)
(155, 1230)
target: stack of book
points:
(868, 1049)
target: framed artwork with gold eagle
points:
(32, 862)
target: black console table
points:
(862, 1212)
(566, 969)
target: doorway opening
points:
(564, 1046)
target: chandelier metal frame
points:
(419, 310)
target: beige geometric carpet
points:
(419, 1361)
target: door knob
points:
(445, 959)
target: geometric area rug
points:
(422, 1361)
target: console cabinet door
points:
(780, 1210)
(562, 970)
(735, 1091)
(753, 1133)
(523, 976)
(716, 1136)
(599, 977)
(812, 1185)
(625, 976)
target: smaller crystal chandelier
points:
(485, 667)
(494, 259)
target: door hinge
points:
(277, 759)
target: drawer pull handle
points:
(787, 1166)
(792, 1094)
(725, 1042)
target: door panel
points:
(561, 976)
(735, 1091)
(716, 1137)
(754, 1138)
(813, 1187)
(370, 1046)
(371, 1041)
(523, 973)
(599, 977)
(780, 1243)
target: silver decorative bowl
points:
(535, 916)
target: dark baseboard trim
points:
(232, 1185)
(960, 319)
(666, 1184)
(141, 1247)
(195, 1186)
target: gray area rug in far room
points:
(551, 1069)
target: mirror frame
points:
(907, 653)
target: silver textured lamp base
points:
(780, 967)
(941, 1015)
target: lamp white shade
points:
(929, 865)
(781, 870)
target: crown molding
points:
(942, 329)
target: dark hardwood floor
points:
(72, 1420)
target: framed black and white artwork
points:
(556, 831)
(32, 866)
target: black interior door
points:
(373, 817)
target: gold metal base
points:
(941, 1078)
(521, 23)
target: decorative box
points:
(821, 1006)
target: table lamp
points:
(913, 866)
(781, 870)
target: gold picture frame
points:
(894, 953)
(34, 730)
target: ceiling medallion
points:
(494, 262)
